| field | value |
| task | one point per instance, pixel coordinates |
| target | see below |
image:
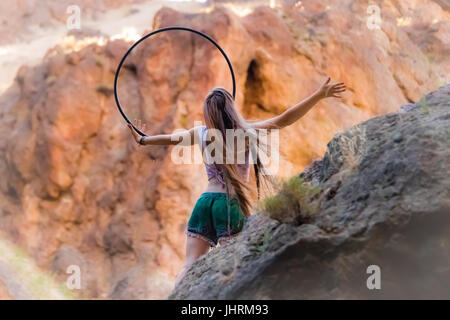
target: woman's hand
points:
(331, 90)
(140, 126)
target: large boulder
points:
(384, 201)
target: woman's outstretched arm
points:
(297, 111)
(186, 137)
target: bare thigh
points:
(195, 248)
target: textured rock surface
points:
(75, 187)
(385, 201)
(19, 17)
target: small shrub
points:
(424, 104)
(295, 203)
(265, 241)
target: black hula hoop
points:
(149, 35)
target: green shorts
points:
(210, 221)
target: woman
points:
(222, 209)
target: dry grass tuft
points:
(296, 202)
(353, 146)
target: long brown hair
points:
(220, 114)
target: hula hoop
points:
(151, 34)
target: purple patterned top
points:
(212, 171)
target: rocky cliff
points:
(384, 200)
(75, 188)
(19, 19)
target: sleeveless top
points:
(212, 170)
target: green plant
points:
(424, 104)
(295, 203)
(265, 242)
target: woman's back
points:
(215, 173)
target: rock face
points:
(18, 17)
(76, 189)
(21, 279)
(385, 201)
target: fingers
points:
(130, 126)
(140, 125)
(133, 132)
(338, 88)
(333, 90)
